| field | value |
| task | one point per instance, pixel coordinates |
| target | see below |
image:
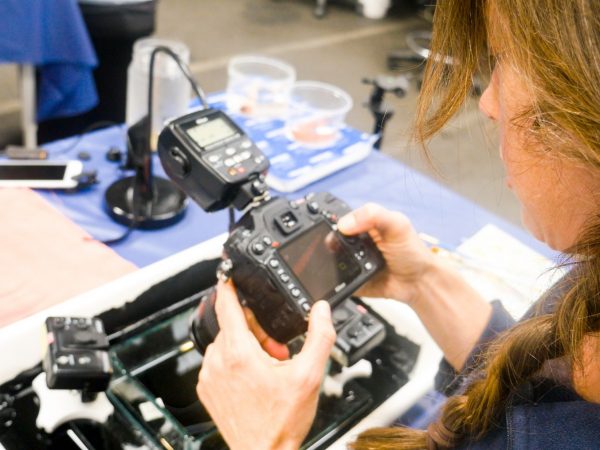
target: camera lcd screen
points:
(32, 172)
(320, 262)
(212, 131)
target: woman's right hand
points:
(407, 258)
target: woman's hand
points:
(407, 258)
(451, 310)
(259, 402)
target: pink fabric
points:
(45, 258)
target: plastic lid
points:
(320, 96)
(261, 67)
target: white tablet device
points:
(40, 174)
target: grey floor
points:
(341, 49)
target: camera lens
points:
(204, 326)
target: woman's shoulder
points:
(553, 425)
(545, 415)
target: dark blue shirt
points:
(548, 415)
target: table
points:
(161, 253)
(434, 209)
(49, 35)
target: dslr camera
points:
(283, 255)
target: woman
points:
(537, 377)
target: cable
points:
(231, 218)
(123, 236)
(92, 127)
(184, 69)
(145, 159)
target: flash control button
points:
(84, 337)
(84, 360)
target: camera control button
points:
(284, 277)
(267, 240)
(355, 330)
(258, 248)
(360, 254)
(313, 207)
(340, 316)
(291, 286)
(304, 304)
(230, 151)
(368, 266)
(229, 162)
(274, 263)
(367, 320)
(295, 292)
(330, 216)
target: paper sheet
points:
(501, 267)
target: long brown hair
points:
(555, 44)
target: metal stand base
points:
(127, 207)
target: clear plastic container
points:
(317, 112)
(258, 86)
(171, 89)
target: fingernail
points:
(347, 222)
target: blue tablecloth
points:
(433, 208)
(51, 35)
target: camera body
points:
(286, 255)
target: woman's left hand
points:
(259, 402)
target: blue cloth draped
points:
(52, 35)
